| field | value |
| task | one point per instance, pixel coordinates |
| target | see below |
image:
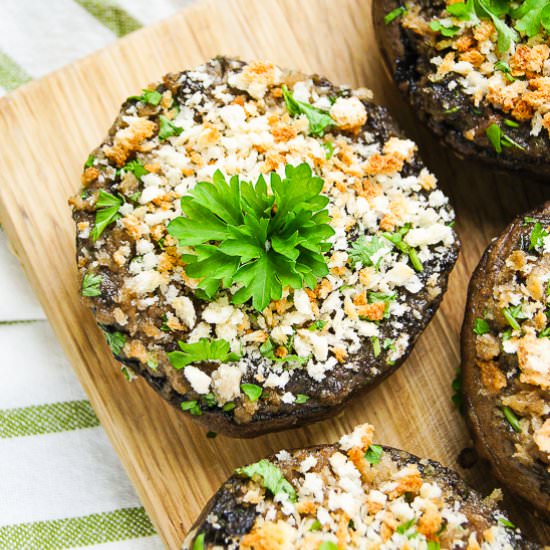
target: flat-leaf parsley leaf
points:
(107, 212)
(271, 477)
(319, 120)
(203, 350)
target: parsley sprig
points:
(241, 234)
(530, 18)
(319, 120)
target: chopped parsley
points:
(203, 350)
(107, 212)
(376, 348)
(511, 314)
(375, 297)
(91, 285)
(481, 326)
(167, 128)
(433, 545)
(503, 67)
(228, 407)
(506, 523)
(538, 234)
(301, 398)
(397, 240)
(404, 527)
(511, 123)
(261, 242)
(452, 110)
(465, 11)
(374, 454)
(328, 545)
(319, 120)
(316, 526)
(116, 341)
(192, 407)
(270, 476)
(512, 419)
(394, 14)
(368, 251)
(148, 96)
(252, 391)
(499, 139)
(128, 373)
(136, 168)
(317, 325)
(267, 349)
(89, 161)
(198, 543)
(329, 148)
(437, 26)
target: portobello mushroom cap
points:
(461, 96)
(351, 494)
(240, 371)
(506, 359)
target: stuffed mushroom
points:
(506, 357)
(477, 73)
(260, 244)
(353, 494)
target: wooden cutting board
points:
(47, 129)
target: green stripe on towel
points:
(11, 74)
(112, 16)
(127, 523)
(44, 419)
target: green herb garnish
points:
(128, 373)
(499, 139)
(252, 391)
(368, 251)
(404, 527)
(301, 398)
(328, 545)
(107, 206)
(433, 545)
(465, 11)
(375, 297)
(397, 240)
(374, 454)
(511, 314)
(452, 110)
(167, 128)
(192, 407)
(512, 419)
(89, 161)
(319, 120)
(376, 348)
(531, 15)
(503, 67)
(91, 285)
(203, 350)
(136, 168)
(270, 476)
(267, 349)
(317, 325)
(394, 14)
(316, 526)
(481, 326)
(329, 148)
(148, 96)
(506, 523)
(538, 234)
(261, 242)
(198, 543)
(437, 26)
(116, 341)
(228, 407)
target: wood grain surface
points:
(47, 129)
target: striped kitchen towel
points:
(61, 484)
